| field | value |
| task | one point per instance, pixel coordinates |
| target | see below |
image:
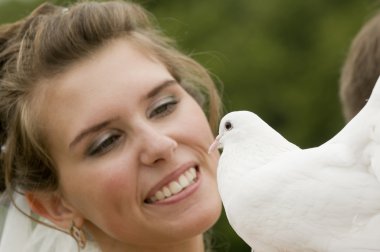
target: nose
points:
(156, 146)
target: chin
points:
(197, 219)
(207, 216)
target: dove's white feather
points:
(278, 197)
(256, 153)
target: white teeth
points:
(183, 181)
(174, 187)
(167, 192)
(159, 196)
(193, 171)
(189, 176)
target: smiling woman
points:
(105, 128)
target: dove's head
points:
(237, 126)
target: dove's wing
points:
(364, 241)
(306, 197)
(361, 136)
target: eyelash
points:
(104, 145)
(164, 108)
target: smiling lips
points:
(184, 180)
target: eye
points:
(228, 126)
(164, 107)
(104, 144)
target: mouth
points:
(175, 186)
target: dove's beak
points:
(214, 145)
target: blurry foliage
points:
(278, 58)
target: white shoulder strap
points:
(21, 233)
(17, 228)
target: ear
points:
(54, 208)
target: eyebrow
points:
(92, 129)
(160, 87)
(103, 124)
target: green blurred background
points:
(278, 58)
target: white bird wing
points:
(309, 197)
(362, 135)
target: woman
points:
(104, 130)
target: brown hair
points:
(49, 41)
(361, 68)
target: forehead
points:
(119, 62)
(118, 73)
(116, 60)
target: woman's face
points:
(130, 146)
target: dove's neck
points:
(239, 159)
(233, 165)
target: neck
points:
(194, 244)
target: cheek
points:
(195, 124)
(197, 134)
(214, 157)
(115, 182)
(99, 186)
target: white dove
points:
(278, 197)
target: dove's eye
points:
(228, 126)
